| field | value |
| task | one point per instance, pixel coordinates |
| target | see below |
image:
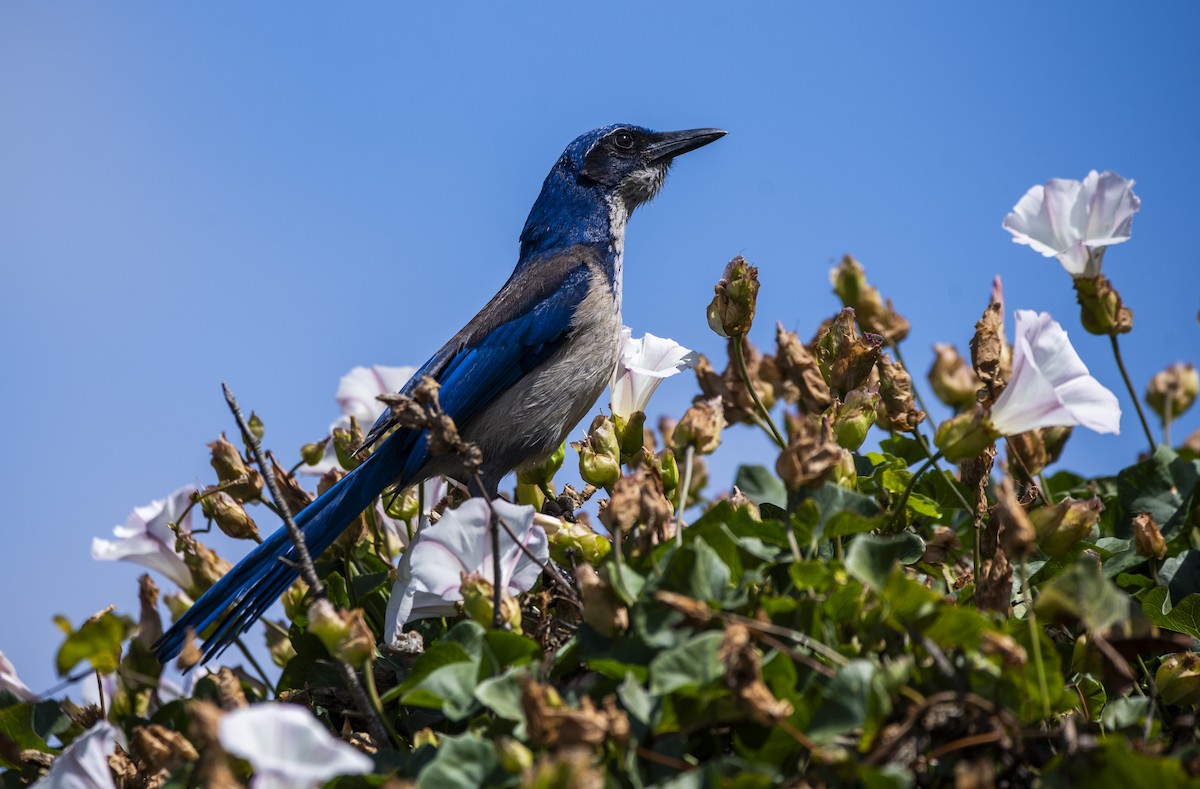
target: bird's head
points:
(599, 180)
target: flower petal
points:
(642, 365)
(287, 746)
(84, 764)
(10, 682)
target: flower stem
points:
(1035, 639)
(765, 416)
(250, 658)
(377, 703)
(1129, 385)
(689, 455)
(912, 483)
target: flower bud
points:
(257, 429)
(700, 427)
(345, 441)
(854, 417)
(580, 540)
(1178, 679)
(668, 468)
(631, 434)
(426, 736)
(732, 309)
(479, 602)
(543, 474)
(344, 633)
(638, 498)
(206, 567)
(280, 646)
(1061, 526)
(990, 355)
(964, 436)
(312, 453)
(1017, 533)
(229, 516)
(850, 284)
(402, 505)
(799, 372)
(601, 608)
(1101, 308)
(515, 758)
(228, 463)
(293, 598)
(897, 410)
(954, 383)
(810, 455)
(1173, 391)
(1148, 539)
(177, 604)
(596, 468)
(844, 357)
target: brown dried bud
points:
(279, 644)
(155, 747)
(555, 725)
(811, 454)
(1173, 391)
(1061, 526)
(954, 383)
(898, 410)
(230, 517)
(149, 621)
(743, 676)
(1017, 535)
(850, 284)
(728, 385)
(638, 498)
(1148, 540)
(844, 357)
(1100, 306)
(601, 608)
(799, 372)
(732, 309)
(989, 352)
(1055, 439)
(228, 463)
(295, 497)
(1029, 450)
(206, 567)
(700, 427)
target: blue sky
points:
(270, 194)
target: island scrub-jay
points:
(515, 379)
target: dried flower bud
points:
(638, 498)
(801, 375)
(295, 497)
(229, 516)
(898, 410)
(811, 454)
(257, 429)
(206, 567)
(479, 602)
(1173, 391)
(1148, 539)
(700, 427)
(1017, 533)
(954, 383)
(850, 284)
(344, 633)
(964, 436)
(228, 463)
(729, 386)
(279, 644)
(1030, 451)
(155, 747)
(853, 418)
(989, 351)
(1100, 306)
(402, 505)
(1178, 679)
(1061, 526)
(844, 357)
(732, 309)
(1055, 439)
(601, 608)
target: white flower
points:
(356, 395)
(1075, 221)
(84, 764)
(430, 574)
(641, 366)
(1050, 385)
(11, 682)
(146, 539)
(287, 747)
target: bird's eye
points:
(623, 140)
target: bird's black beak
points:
(668, 145)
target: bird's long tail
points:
(246, 591)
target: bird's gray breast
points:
(528, 421)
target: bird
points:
(515, 379)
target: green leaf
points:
(691, 665)
(502, 695)
(1082, 592)
(1115, 765)
(872, 557)
(853, 697)
(1183, 617)
(905, 448)
(97, 641)
(28, 725)
(437, 656)
(462, 761)
(1160, 486)
(449, 688)
(511, 649)
(761, 486)
(697, 570)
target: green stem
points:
(912, 483)
(250, 658)
(681, 495)
(377, 703)
(1129, 385)
(933, 459)
(765, 416)
(1035, 639)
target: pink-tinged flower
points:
(288, 747)
(642, 365)
(84, 764)
(11, 682)
(147, 539)
(356, 396)
(1075, 221)
(431, 572)
(1050, 385)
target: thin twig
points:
(307, 571)
(689, 456)
(1035, 639)
(1129, 385)
(740, 357)
(254, 663)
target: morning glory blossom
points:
(10, 682)
(431, 572)
(288, 747)
(84, 764)
(1050, 385)
(642, 365)
(356, 396)
(147, 539)
(1075, 220)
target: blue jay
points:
(515, 379)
